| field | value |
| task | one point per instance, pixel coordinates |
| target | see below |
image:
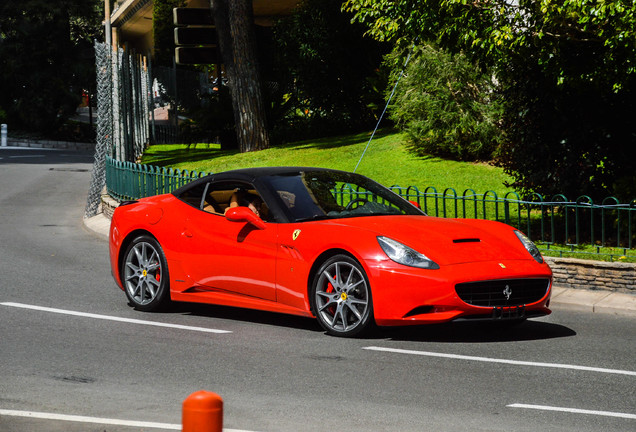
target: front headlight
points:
(405, 255)
(530, 246)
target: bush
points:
(446, 105)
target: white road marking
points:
(85, 419)
(114, 318)
(505, 361)
(574, 410)
(26, 156)
(42, 149)
(98, 420)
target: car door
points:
(223, 255)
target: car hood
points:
(446, 241)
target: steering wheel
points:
(360, 201)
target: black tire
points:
(341, 297)
(144, 273)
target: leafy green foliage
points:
(566, 71)
(326, 72)
(447, 106)
(48, 60)
(575, 138)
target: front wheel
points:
(341, 297)
(145, 274)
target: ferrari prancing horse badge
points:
(295, 234)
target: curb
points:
(98, 225)
(597, 301)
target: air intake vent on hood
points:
(467, 240)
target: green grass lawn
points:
(386, 161)
(588, 252)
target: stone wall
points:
(593, 275)
(108, 205)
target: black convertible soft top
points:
(250, 175)
(297, 194)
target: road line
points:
(574, 410)
(114, 318)
(26, 156)
(84, 419)
(98, 420)
(505, 361)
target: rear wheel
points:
(145, 274)
(341, 297)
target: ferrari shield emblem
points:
(295, 234)
(502, 265)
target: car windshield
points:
(315, 195)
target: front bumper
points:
(410, 296)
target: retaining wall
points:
(593, 275)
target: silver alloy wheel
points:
(342, 298)
(142, 273)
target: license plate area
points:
(508, 313)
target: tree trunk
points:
(234, 20)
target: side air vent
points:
(420, 310)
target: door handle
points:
(186, 233)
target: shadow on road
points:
(478, 332)
(246, 315)
(473, 332)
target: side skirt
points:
(195, 295)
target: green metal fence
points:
(549, 222)
(129, 181)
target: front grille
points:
(506, 292)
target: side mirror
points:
(244, 214)
(416, 204)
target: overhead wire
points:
(408, 58)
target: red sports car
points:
(322, 243)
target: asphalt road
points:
(70, 346)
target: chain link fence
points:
(129, 93)
(104, 127)
(131, 105)
(124, 107)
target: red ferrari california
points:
(322, 243)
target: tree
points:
(234, 20)
(566, 72)
(327, 70)
(48, 60)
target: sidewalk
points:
(599, 301)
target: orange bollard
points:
(203, 412)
